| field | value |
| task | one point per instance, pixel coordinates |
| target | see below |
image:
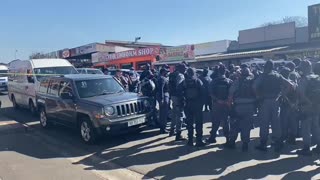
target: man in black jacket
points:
(163, 99)
(193, 90)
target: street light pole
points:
(15, 54)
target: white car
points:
(89, 71)
(3, 78)
(25, 78)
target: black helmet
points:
(191, 72)
(268, 66)
(305, 66)
(316, 68)
(291, 66)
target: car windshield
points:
(43, 72)
(2, 73)
(94, 71)
(98, 87)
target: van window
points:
(65, 87)
(54, 88)
(44, 86)
(54, 71)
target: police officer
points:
(243, 96)
(163, 99)
(309, 92)
(145, 72)
(219, 91)
(148, 88)
(206, 80)
(193, 90)
(289, 107)
(122, 79)
(293, 75)
(268, 87)
(175, 80)
(133, 80)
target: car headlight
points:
(146, 103)
(109, 111)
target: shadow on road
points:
(157, 154)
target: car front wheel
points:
(44, 119)
(87, 131)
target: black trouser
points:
(208, 103)
(193, 113)
(220, 114)
(289, 122)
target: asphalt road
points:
(144, 155)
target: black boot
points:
(211, 140)
(171, 133)
(291, 140)
(230, 145)
(316, 150)
(278, 146)
(305, 151)
(163, 131)
(179, 137)
(245, 147)
(262, 147)
(190, 142)
(200, 143)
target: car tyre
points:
(44, 119)
(32, 108)
(87, 131)
(14, 102)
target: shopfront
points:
(175, 55)
(137, 58)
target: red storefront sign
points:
(103, 57)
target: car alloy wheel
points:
(43, 119)
(85, 131)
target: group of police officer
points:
(286, 97)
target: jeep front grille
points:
(130, 108)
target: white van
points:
(3, 78)
(25, 76)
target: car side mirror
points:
(66, 95)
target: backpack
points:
(148, 87)
(270, 85)
(192, 91)
(245, 89)
(313, 89)
(173, 82)
(221, 88)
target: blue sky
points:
(48, 25)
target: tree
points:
(37, 55)
(299, 20)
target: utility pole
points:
(15, 54)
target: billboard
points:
(314, 22)
(177, 53)
(268, 33)
(105, 56)
(211, 47)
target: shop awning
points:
(174, 62)
(242, 54)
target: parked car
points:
(112, 72)
(25, 77)
(89, 71)
(3, 78)
(95, 104)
